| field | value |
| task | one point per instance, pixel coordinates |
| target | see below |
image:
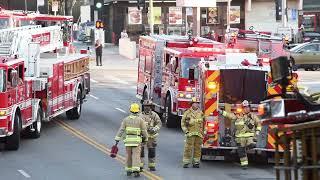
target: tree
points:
(65, 6)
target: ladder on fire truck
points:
(14, 41)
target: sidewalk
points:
(110, 58)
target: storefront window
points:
(308, 22)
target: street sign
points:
(196, 3)
(55, 6)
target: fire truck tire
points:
(169, 119)
(75, 113)
(13, 141)
(36, 125)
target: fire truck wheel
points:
(168, 118)
(36, 126)
(75, 112)
(13, 141)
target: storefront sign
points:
(235, 15)
(43, 39)
(55, 6)
(196, 3)
(212, 16)
(157, 15)
(175, 15)
(134, 15)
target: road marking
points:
(121, 110)
(94, 81)
(26, 175)
(101, 147)
(94, 97)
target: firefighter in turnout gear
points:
(247, 128)
(133, 131)
(153, 124)
(192, 125)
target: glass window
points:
(2, 80)
(4, 23)
(187, 64)
(310, 48)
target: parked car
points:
(310, 36)
(306, 56)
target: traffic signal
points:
(99, 24)
(141, 4)
(278, 10)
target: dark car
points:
(310, 36)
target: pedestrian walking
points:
(133, 129)
(247, 129)
(98, 47)
(153, 123)
(192, 125)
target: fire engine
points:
(166, 73)
(264, 44)
(171, 75)
(39, 80)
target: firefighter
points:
(134, 129)
(153, 124)
(192, 125)
(247, 129)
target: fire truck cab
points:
(167, 73)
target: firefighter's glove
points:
(151, 130)
(250, 125)
(187, 121)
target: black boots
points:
(136, 174)
(152, 169)
(196, 165)
(186, 166)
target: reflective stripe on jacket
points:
(133, 129)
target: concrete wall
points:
(263, 15)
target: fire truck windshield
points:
(2, 80)
(187, 64)
(4, 23)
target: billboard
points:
(134, 15)
(175, 15)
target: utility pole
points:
(228, 14)
(25, 5)
(284, 13)
(151, 17)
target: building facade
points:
(310, 15)
(168, 18)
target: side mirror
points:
(14, 78)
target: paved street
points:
(79, 150)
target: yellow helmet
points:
(134, 108)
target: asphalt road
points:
(79, 150)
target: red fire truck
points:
(166, 73)
(264, 44)
(39, 80)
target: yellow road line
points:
(100, 147)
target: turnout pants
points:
(192, 149)
(151, 146)
(243, 144)
(133, 158)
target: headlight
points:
(3, 113)
(188, 89)
(189, 96)
(212, 85)
(181, 95)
